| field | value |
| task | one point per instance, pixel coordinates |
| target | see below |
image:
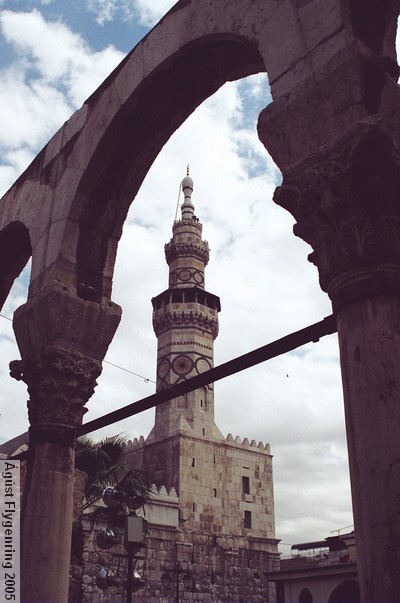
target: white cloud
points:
(147, 12)
(150, 12)
(71, 65)
(40, 89)
(26, 118)
(105, 10)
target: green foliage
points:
(105, 464)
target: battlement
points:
(261, 447)
(163, 507)
(161, 492)
(135, 444)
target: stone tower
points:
(185, 449)
(185, 321)
(220, 488)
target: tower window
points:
(204, 431)
(245, 484)
(247, 519)
(193, 462)
(305, 596)
(190, 296)
(215, 492)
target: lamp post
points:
(134, 541)
(134, 537)
(186, 576)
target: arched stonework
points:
(81, 184)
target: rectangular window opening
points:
(245, 484)
(247, 519)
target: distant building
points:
(319, 572)
(222, 530)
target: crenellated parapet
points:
(135, 444)
(260, 447)
(161, 492)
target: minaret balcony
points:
(186, 314)
(174, 297)
(174, 250)
(182, 225)
(186, 307)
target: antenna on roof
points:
(177, 203)
(179, 194)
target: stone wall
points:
(224, 568)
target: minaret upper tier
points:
(186, 253)
(185, 321)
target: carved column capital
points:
(60, 382)
(62, 339)
(346, 201)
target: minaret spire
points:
(185, 321)
(187, 188)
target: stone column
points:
(346, 201)
(62, 339)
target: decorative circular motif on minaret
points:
(198, 277)
(184, 275)
(202, 365)
(182, 365)
(163, 368)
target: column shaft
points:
(369, 339)
(47, 524)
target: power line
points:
(145, 379)
(6, 317)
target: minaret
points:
(218, 514)
(185, 321)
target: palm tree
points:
(102, 463)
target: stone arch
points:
(305, 596)
(183, 81)
(89, 172)
(15, 251)
(347, 591)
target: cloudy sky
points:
(53, 54)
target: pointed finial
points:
(187, 189)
